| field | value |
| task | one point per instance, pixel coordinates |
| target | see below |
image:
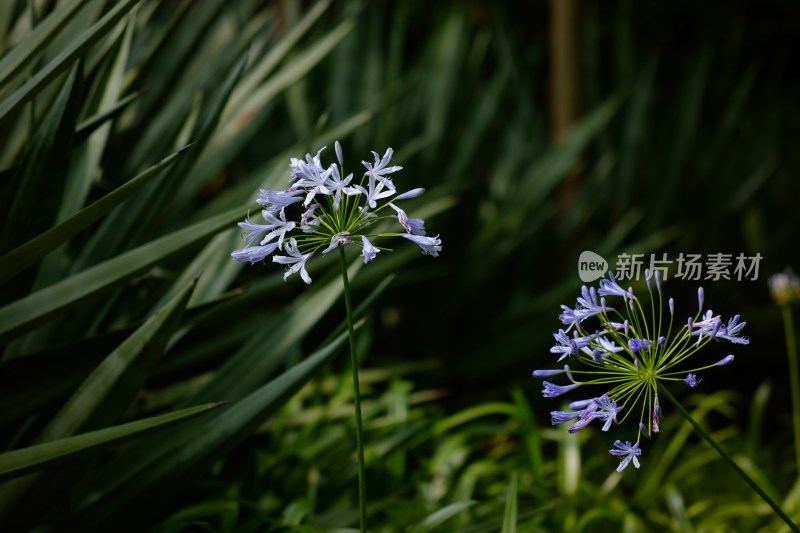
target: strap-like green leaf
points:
(39, 179)
(65, 59)
(41, 305)
(32, 251)
(510, 513)
(90, 125)
(18, 462)
(108, 391)
(194, 448)
(25, 53)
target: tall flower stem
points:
(362, 485)
(794, 379)
(703, 433)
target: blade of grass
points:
(108, 391)
(32, 251)
(510, 513)
(131, 478)
(19, 462)
(65, 59)
(37, 308)
(26, 52)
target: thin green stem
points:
(703, 433)
(794, 379)
(362, 484)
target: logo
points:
(591, 266)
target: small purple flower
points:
(585, 416)
(254, 231)
(340, 238)
(274, 201)
(692, 380)
(609, 346)
(338, 186)
(279, 226)
(731, 331)
(430, 245)
(567, 345)
(559, 417)
(587, 306)
(414, 226)
(368, 251)
(628, 452)
(602, 408)
(551, 390)
(311, 176)
(254, 254)
(661, 340)
(610, 287)
(295, 259)
(639, 344)
(378, 169)
(307, 214)
(606, 410)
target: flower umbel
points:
(331, 211)
(628, 354)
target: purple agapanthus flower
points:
(639, 344)
(633, 352)
(368, 251)
(296, 261)
(334, 212)
(430, 245)
(552, 390)
(692, 380)
(627, 452)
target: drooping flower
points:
(627, 452)
(295, 259)
(415, 226)
(338, 239)
(334, 212)
(368, 251)
(430, 245)
(620, 355)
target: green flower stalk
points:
(332, 212)
(785, 291)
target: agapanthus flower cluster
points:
(331, 211)
(627, 353)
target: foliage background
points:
(686, 143)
